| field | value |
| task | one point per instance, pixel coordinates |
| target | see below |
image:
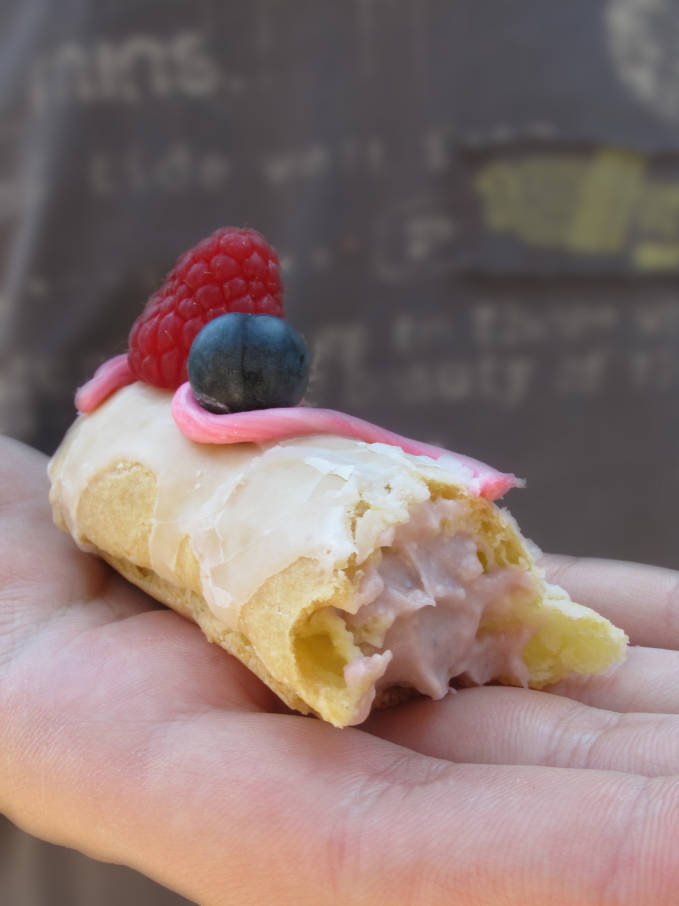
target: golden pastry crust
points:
(114, 518)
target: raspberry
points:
(233, 270)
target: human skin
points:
(126, 735)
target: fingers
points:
(258, 809)
(642, 600)
(371, 822)
(647, 681)
(503, 725)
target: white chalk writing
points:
(657, 319)
(641, 36)
(654, 370)
(413, 237)
(182, 166)
(305, 164)
(179, 168)
(130, 71)
(564, 351)
(514, 324)
(282, 167)
(581, 373)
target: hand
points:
(129, 737)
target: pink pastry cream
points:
(266, 425)
(425, 608)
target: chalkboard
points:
(476, 207)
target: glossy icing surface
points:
(324, 497)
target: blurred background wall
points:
(476, 207)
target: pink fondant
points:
(263, 425)
(109, 377)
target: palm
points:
(131, 737)
(98, 643)
(113, 649)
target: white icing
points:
(248, 510)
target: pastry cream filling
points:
(424, 603)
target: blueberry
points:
(240, 361)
